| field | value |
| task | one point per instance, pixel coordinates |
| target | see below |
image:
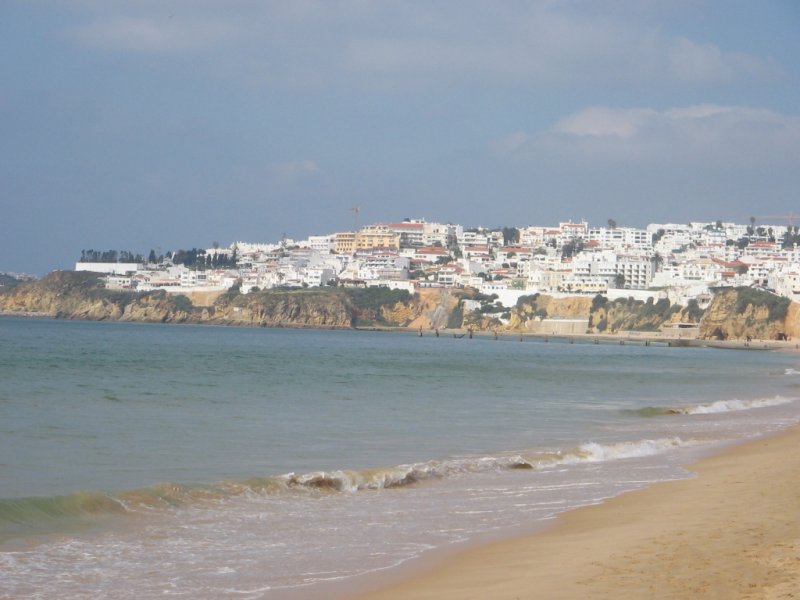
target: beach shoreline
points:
(728, 531)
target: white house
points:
(109, 268)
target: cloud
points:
(152, 35)
(706, 134)
(690, 62)
(544, 42)
(410, 44)
(297, 168)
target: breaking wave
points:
(720, 406)
(592, 452)
(29, 516)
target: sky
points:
(178, 123)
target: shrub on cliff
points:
(375, 298)
(693, 311)
(456, 317)
(367, 304)
(181, 303)
(598, 302)
(776, 305)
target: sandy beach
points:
(733, 531)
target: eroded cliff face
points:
(743, 313)
(72, 295)
(792, 322)
(283, 309)
(540, 305)
(429, 308)
(733, 314)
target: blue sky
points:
(173, 124)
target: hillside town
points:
(680, 262)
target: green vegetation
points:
(233, 291)
(456, 317)
(199, 258)
(8, 281)
(777, 305)
(510, 236)
(181, 303)
(790, 238)
(478, 297)
(110, 256)
(598, 302)
(571, 248)
(629, 314)
(375, 298)
(693, 311)
(662, 308)
(530, 300)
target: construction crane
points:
(356, 208)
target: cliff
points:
(80, 295)
(330, 308)
(733, 313)
(741, 313)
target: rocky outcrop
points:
(540, 306)
(429, 308)
(733, 314)
(742, 313)
(792, 322)
(635, 315)
(80, 295)
(284, 309)
(71, 295)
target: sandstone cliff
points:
(741, 313)
(73, 295)
(733, 313)
(70, 295)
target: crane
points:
(356, 208)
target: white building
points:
(109, 268)
(621, 238)
(324, 244)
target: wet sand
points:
(733, 531)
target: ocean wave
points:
(43, 514)
(723, 406)
(46, 514)
(720, 406)
(592, 452)
(791, 371)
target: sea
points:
(153, 460)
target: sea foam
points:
(724, 406)
(720, 406)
